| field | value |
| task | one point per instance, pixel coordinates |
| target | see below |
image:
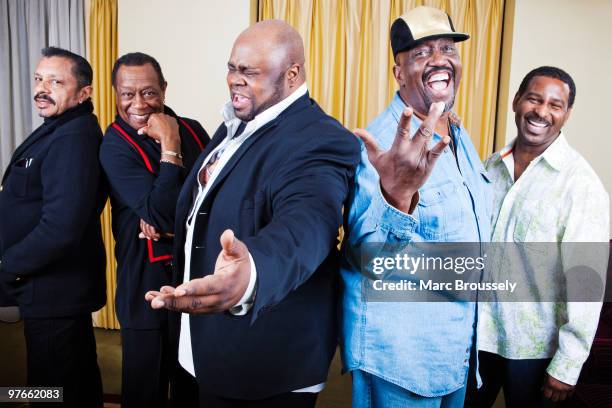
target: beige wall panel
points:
(192, 41)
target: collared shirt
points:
(558, 198)
(422, 347)
(227, 148)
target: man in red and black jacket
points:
(146, 154)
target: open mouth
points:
(536, 125)
(438, 80)
(239, 101)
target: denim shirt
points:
(422, 347)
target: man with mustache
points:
(257, 222)
(146, 154)
(419, 180)
(544, 192)
(51, 249)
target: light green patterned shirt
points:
(558, 198)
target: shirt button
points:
(465, 184)
(1, 188)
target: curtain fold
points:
(349, 62)
(102, 56)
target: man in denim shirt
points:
(414, 353)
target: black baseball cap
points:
(421, 24)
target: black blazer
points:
(53, 258)
(138, 192)
(282, 193)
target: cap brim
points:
(457, 37)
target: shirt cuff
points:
(565, 369)
(246, 301)
(390, 218)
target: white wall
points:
(575, 36)
(192, 40)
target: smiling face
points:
(541, 111)
(56, 88)
(430, 72)
(139, 94)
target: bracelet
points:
(173, 154)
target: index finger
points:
(425, 132)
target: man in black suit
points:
(256, 228)
(146, 154)
(52, 253)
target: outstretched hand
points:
(214, 293)
(405, 167)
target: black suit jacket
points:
(282, 194)
(137, 193)
(53, 258)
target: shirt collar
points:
(555, 155)
(504, 152)
(232, 122)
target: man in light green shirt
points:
(544, 192)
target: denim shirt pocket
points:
(439, 211)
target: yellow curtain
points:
(349, 60)
(102, 55)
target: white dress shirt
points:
(228, 147)
(558, 198)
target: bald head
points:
(278, 40)
(266, 66)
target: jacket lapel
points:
(186, 196)
(301, 103)
(47, 128)
(238, 154)
(41, 131)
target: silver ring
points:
(425, 132)
(403, 132)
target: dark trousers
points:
(184, 389)
(521, 380)
(145, 374)
(62, 353)
(185, 395)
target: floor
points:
(337, 393)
